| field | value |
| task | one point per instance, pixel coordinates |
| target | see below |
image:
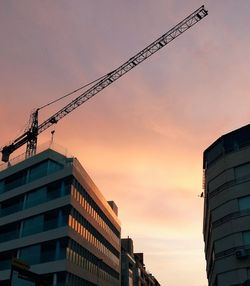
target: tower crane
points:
(34, 129)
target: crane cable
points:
(74, 91)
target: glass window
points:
(48, 251)
(33, 225)
(246, 237)
(38, 171)
(48, 278)
(73, 256)
(63, 243)
(54, 190)
(5, 259)
(31, 254)
(242, 170)
(51, 220)
(67, 186)
(54, 166)
(36, 197)
(16, 180)
(70, 221)
(78, 196)
(11, 206)
(9, 232)
(64, 217)
(61, 278)
(20, 280)
(73, 222)
(244, 203)
(1, 186)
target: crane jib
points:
(30, 137)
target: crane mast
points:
(30, 136)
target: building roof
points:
(232, 141)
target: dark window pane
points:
(31, 254)
(15, 180)
(48, 251)
(244, 203)
(48, 278)
(246, 237)
(54, 190)
(54, 166)
(38, 171)
(2, 186)
(11, 206)
(67, 185)
(6, 258)
(18, 280)
(242, 171)
(51, 220)
(63, 243)
(9, 232)
(61, 278)
(64, 216)
(36, 197)
(33, 225)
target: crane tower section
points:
(30, 136)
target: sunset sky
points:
(141, 139)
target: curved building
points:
(226, 225)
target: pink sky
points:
(141, 140)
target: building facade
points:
(133, 270)
(53, 217)
(128, 265)
(142, 276)
(226, 225)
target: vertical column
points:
(54, 279)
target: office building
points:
(128, 265)
(133, 270)
(142, 276)
(53, 217)
(226, 225)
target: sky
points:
(141, 139)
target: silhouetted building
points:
(133, 271)
(143, 278)
(53, 217)
(226, 225)
(128, 266)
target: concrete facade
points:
(128, 265)
(226, 225)
(142, 276)
(53, 217)
(133, 270)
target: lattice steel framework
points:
(30, 136)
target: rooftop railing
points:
(47, 145)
